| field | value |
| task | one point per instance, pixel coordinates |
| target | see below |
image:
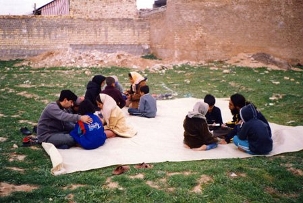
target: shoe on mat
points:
(121, 169)
(25, 131)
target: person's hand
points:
(102, 120)
(86, 119)
(223, 125)
(127, 93)
(222, 141)
(239, 122)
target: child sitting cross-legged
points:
(254, 136)
(147, 104)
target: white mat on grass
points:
(160, 139)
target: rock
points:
(271, 60)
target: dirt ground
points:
(70, 58)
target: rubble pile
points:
(79, 59)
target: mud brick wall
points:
(103, 8)
(31, 35)
(185, 30)
(218, 29)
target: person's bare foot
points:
(202, 148)
(109, 134)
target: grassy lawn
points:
(25, 91)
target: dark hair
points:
(110, 81)
(98, 99)
(209, 99)
(144, 89)
(67, 94)
(238, 100)
(86, 107)
(98, 79)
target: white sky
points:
(25, 7)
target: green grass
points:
(25, 91)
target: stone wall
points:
(103, 9)
(184, 30)
(31, 35)
(218, 29)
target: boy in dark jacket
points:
(213, 115)
(254, 136)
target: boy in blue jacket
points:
(254, 136)
(89, 136)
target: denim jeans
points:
(211, 146)
(134, 111)
(242, 144)
(60, 139)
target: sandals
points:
(29, 141)
(121, 169)
(143, 165)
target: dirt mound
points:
(71, 58)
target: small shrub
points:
(150, 56)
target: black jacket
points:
(92, 91)
(254, 130)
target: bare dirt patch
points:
(16, 157)
(186, 173)
(203, 180)
(292, 169)
(3, 139)
(137, 176)
(161, 184)
(73, 186)
(15, 169)
(27, 95)
(27, 122)
(112, 185)
(275, 192)
(6, 189)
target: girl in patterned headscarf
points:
(133, 94)
(196, 132)
(113, 118)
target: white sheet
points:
(160, 139)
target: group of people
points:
(249, 130)
(87, 121)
